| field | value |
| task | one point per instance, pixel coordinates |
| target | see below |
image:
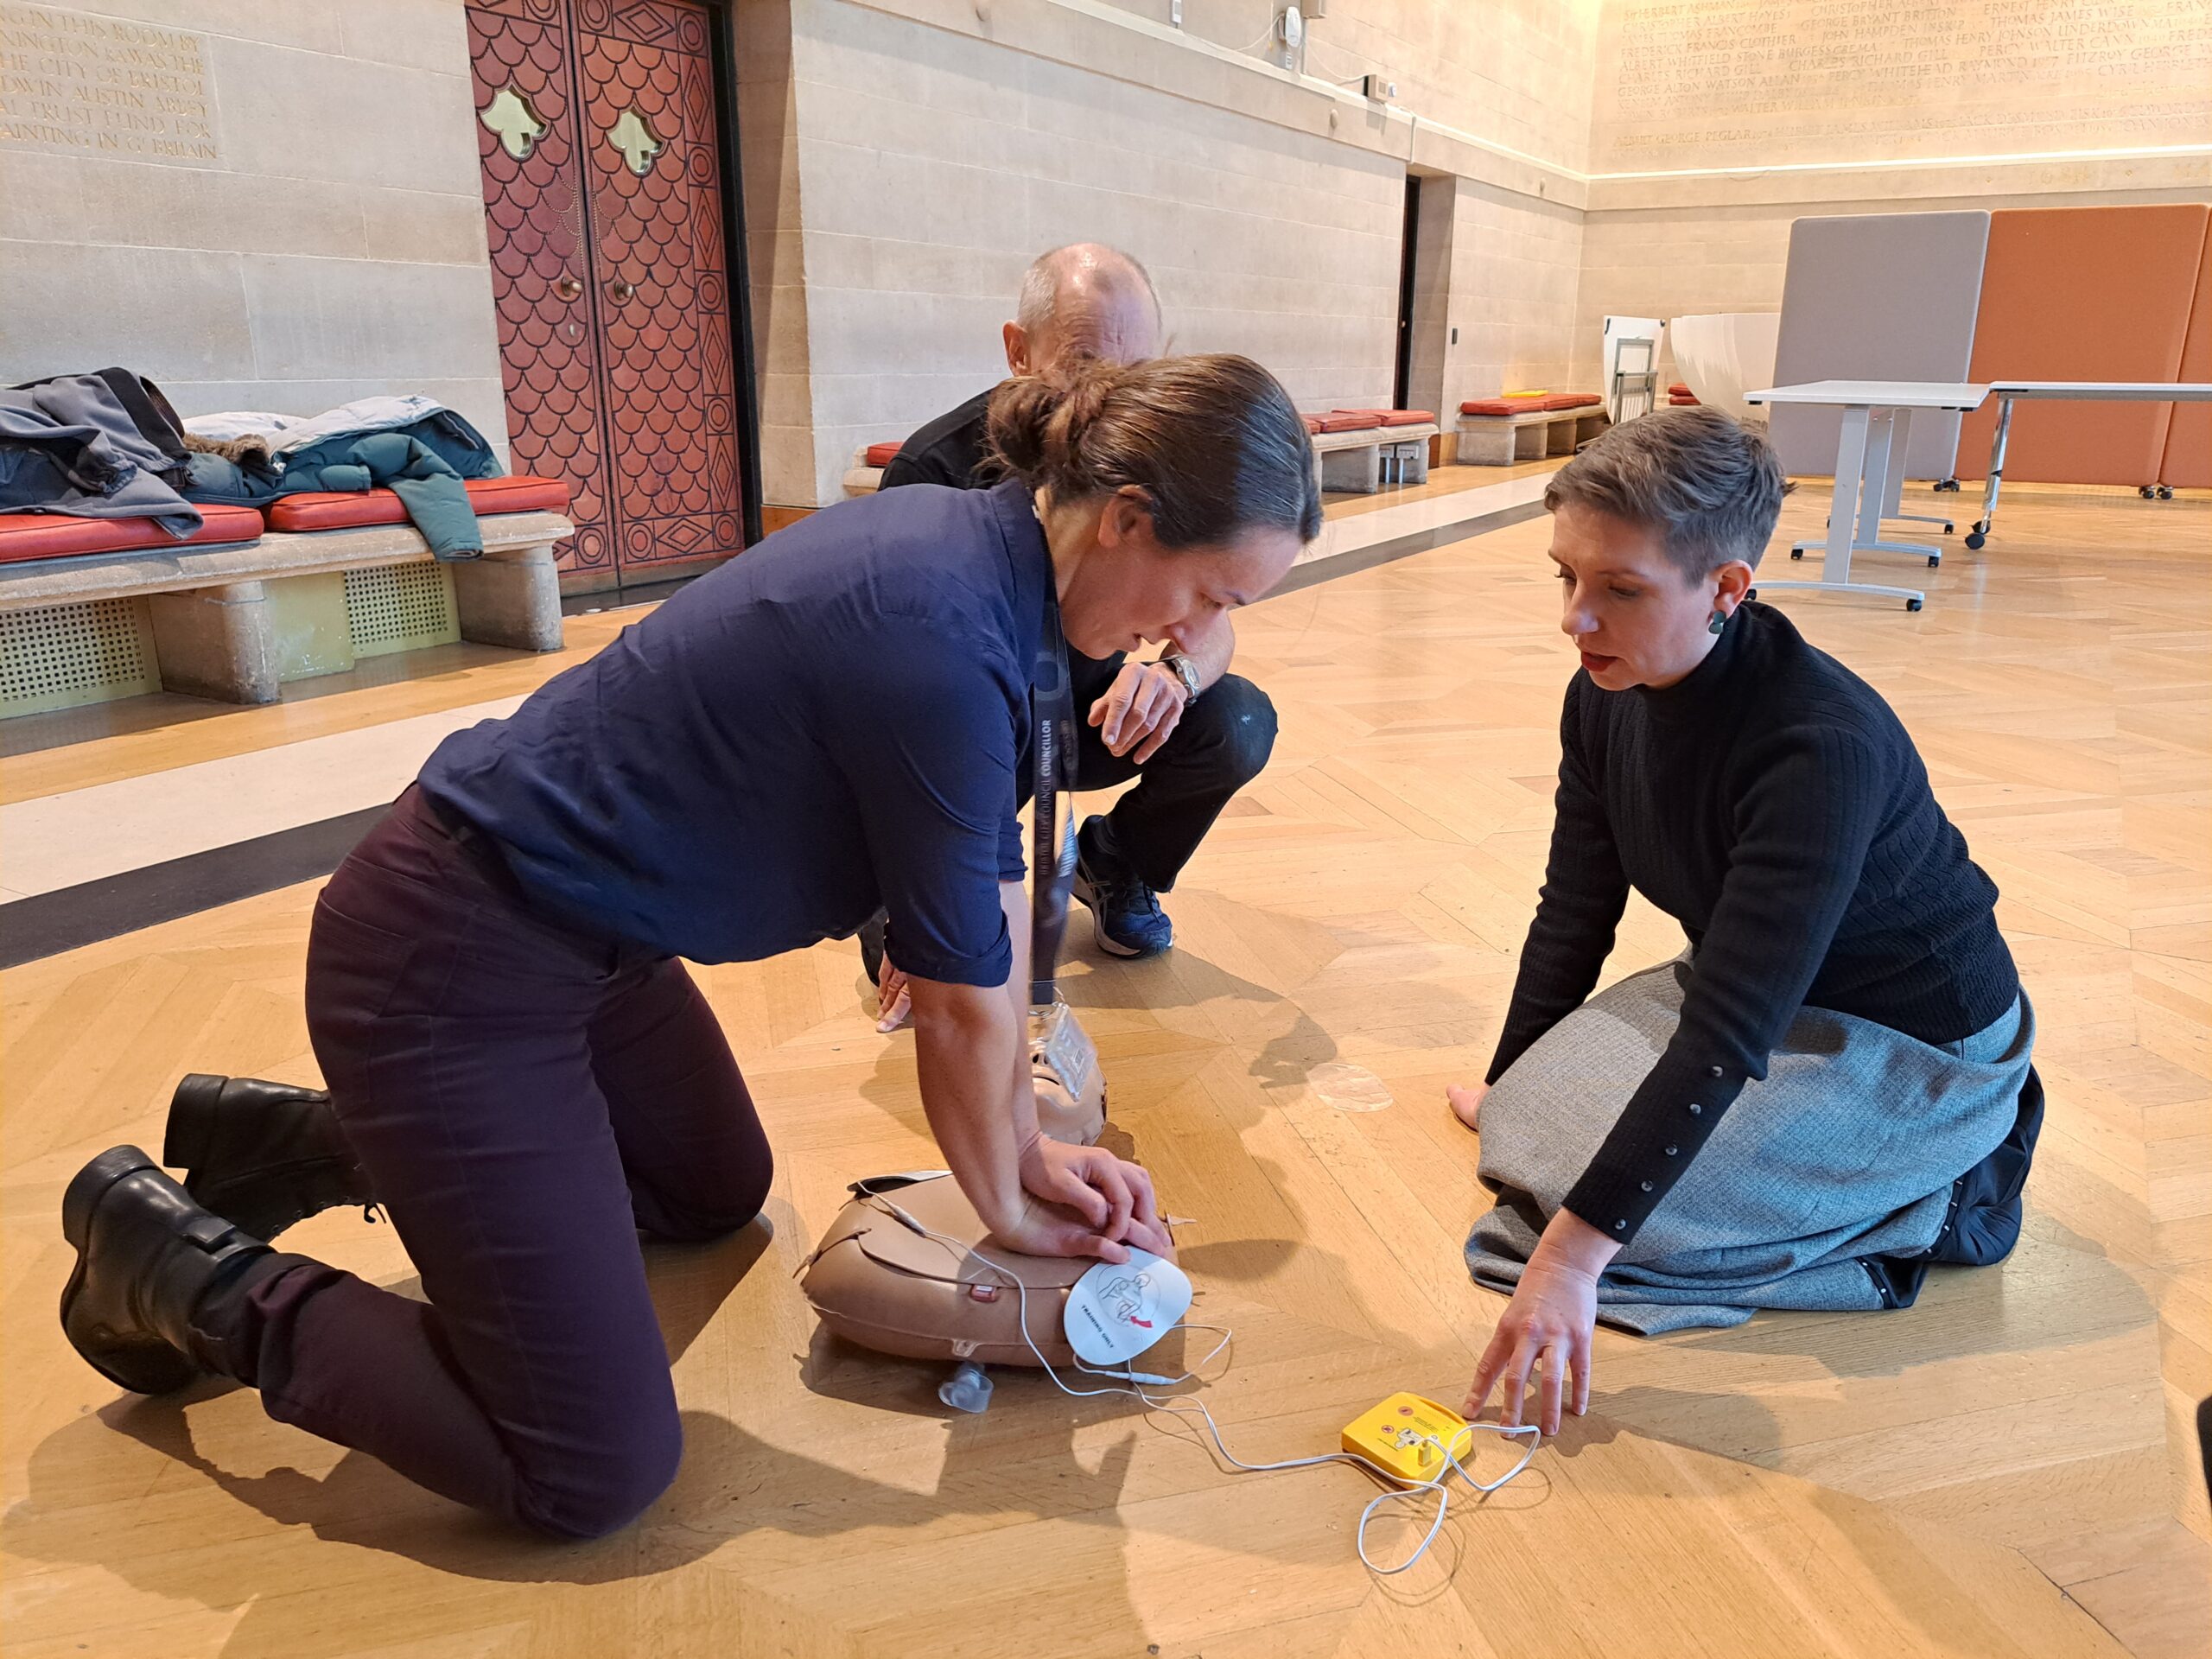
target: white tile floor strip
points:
(59, 841)
(1356, 532)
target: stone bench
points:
(1358, 451)
(865, 475)
(214, 626)
(1500, 431)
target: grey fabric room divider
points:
(1877, 296)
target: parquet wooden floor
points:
(2009, 1468)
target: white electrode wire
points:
(1183, 1406)
(1190, 1374)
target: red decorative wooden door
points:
(603, 204)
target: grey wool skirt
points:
(1828, 1185)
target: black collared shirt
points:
(949, 450)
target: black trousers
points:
(527, 1100)
(1221, 744)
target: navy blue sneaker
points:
(1125, 914)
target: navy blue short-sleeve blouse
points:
(831, 723)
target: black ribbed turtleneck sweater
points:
(1772, 804)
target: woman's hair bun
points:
(1212, 442)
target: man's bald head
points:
(1083, 300)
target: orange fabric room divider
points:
(2083, 294)
(2189, 439)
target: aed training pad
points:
(875, 1281)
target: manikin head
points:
(1172, 490)
(1656, 529)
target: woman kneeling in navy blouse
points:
(1830, 1089)
(521, 1071)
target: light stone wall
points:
(1871, 107)
(775, 247)
(1748, 84)
(941, 144)
(1516, 73)
(1494, 287)
(262, 204)
(1516, 270)
(933, 165)
(1432, 344)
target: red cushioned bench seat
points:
(1501, 431)
(1548, 403)
(1382, 445)
(60, 535)
(1395, 416)
(882, 454)
(353, 509)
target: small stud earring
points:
(1720, 621)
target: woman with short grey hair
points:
(1830, 1089)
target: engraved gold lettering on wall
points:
(1721, 82)
(102, 86)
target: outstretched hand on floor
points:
(1549, 1327)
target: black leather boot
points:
(147, 1258)
(262, 1154)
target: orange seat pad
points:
(2187, 464)
(25, 535)
(353, 508)
(1393, 416)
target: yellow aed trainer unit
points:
(1402, 1436)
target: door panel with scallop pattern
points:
(602, 190)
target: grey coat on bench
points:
(70, 446)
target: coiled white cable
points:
(1183, 1406)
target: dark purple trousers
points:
(525, 1099)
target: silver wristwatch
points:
(1184, 670)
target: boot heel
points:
(142, 1365)
(195, 1110)
(89, 1184)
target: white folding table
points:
(2089, 391)
(1877, 415)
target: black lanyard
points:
(1052, 743)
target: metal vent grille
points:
(399, 608)
(66, 655)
